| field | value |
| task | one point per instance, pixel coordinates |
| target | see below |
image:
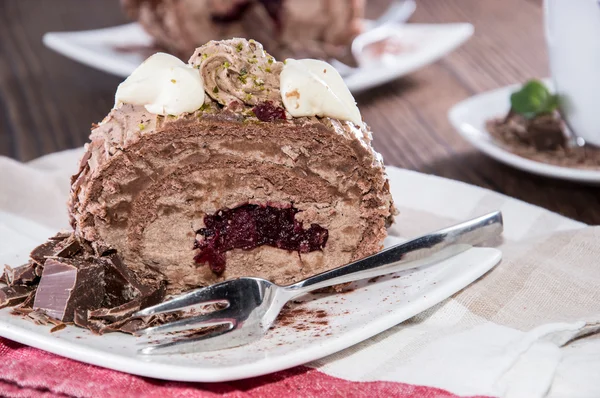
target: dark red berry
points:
(250, 226)
(267, 112)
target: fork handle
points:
(429, 248)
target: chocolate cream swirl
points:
(238, 70)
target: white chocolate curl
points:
(310, 87)
(164, 85)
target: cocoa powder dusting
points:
(542, 139)
(302, 318)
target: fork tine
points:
(215, 318)
(204, 296)
(217, 340)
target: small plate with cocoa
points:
(520, 125)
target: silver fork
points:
(252, 304)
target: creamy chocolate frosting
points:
(144, 193)
(147, 181)
(238, 70)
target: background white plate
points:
(351, 317)
(424, 43)
(469, 116)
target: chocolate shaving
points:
(116, 314)
(21, 311)
(68, 248)
(13, 295)
(60, 236)
(23, 275)
(129, 326)
(58, 327)
(150, 297)
(38, 317)
(81, 319)
(132, 325)
(48, 249)
(61, 245)
(28, 303)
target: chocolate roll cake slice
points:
(313, 28)
(233, 165)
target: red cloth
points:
(29, 372)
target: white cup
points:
(573, 36)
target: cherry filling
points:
(250, 226)
(267, 112)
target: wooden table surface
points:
(48, 102)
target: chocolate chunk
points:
(28, 303)
(68, 284)
(121, 285)
(60, 236)
(13, 295)
(81, 319)
(23, 275)
(39, 270)
(543, 133)
(61, 245)
(101, 250)
(153, 295)
(150, 296)
(97, 293)
(68, 248)
(546, 133)
(542, 139)
(47, 249)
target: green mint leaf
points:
(533, 100)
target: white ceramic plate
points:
(469, 116)
(351, 317)
(420, 45)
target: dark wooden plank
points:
(47, 102)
